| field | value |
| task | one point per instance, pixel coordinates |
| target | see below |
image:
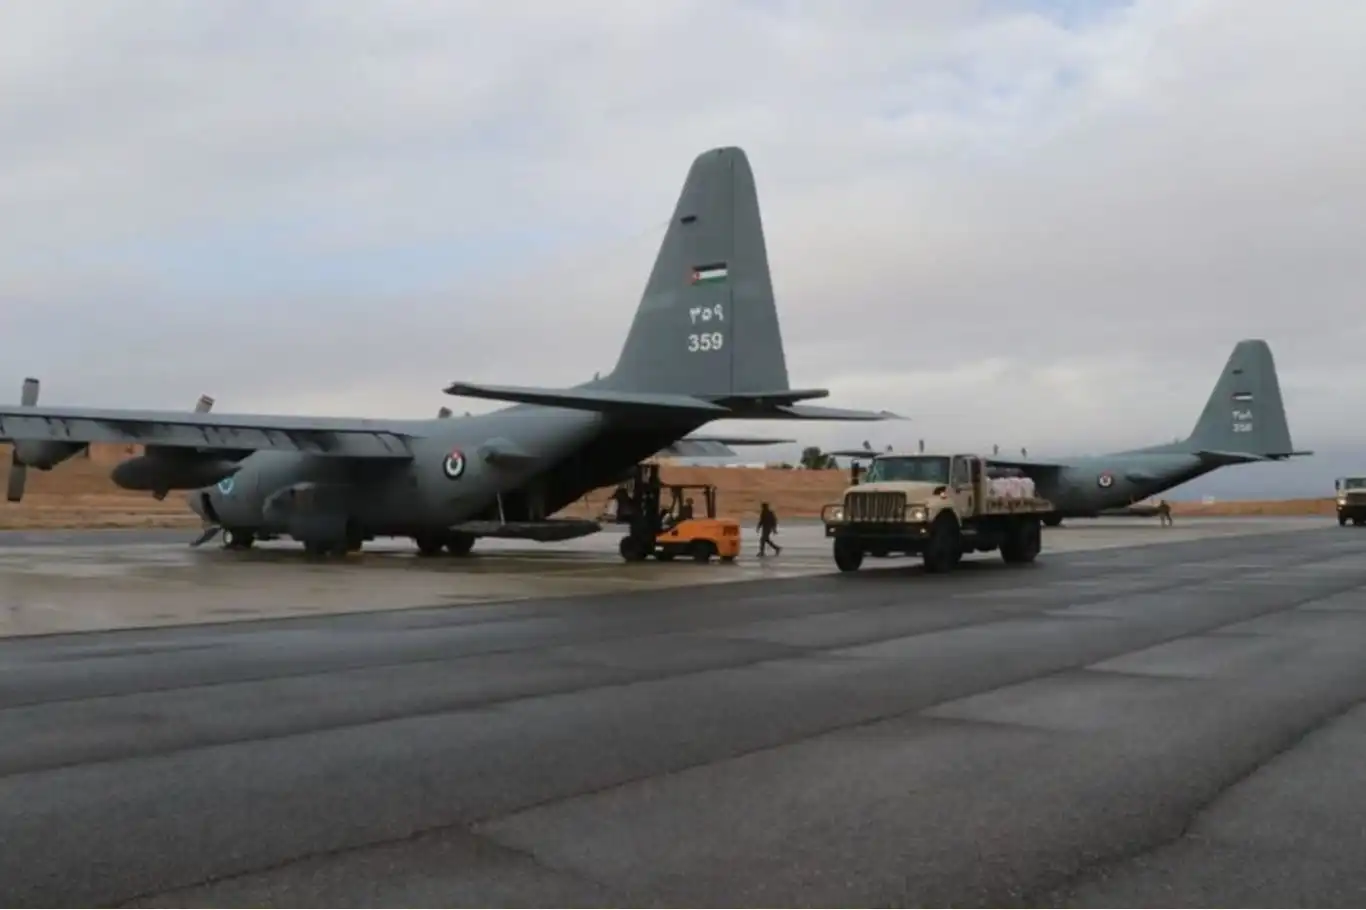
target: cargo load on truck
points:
(939, 507)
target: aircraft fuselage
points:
(538, 459)
(1087, 486)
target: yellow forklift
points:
(665, 532)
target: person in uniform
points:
(1164, 513)
(767, 527)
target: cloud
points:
(1038, 224)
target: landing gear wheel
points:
(460, 544)
(848, 555)
(701, 550)
(632, 549)
(237, 540)
(944, 548)
(429, 545)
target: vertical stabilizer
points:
(707, 323)
(1245, 413)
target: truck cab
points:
(1351, 499)
(936, 506)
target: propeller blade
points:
(18, 471)
(209, 534)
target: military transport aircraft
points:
(1243, 422)
(704, 345)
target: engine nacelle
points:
(44, 454)
(172, 471)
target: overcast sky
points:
(1034, 223)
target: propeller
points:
(18, 471)
(202, 406)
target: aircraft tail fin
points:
(705, 342)
(707, 325)
(1244, 415)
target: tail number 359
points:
(706, 341)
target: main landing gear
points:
(237, 540)
(455, 543)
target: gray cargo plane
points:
(704, 345)
(1243, 422)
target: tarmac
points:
(1145, 717)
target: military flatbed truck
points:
(1351, 500)
(939, 507)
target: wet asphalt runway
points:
(1173, 723)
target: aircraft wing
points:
(348, 437)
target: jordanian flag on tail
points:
(708, 274)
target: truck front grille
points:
(874, 506)
(1357, 497)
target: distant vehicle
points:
(939, 507)
(1351, 500)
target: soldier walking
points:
(1164, 513)
(767, 527)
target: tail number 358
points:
(706, 341)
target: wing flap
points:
(341, 437)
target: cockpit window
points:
(922, 469)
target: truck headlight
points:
(837, 513)
(915, 513)
(1342, 500)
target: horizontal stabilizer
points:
(817, 412)
(602, 401)
(715, 446)
(773, 399)
(1226, 458)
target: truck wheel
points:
(848, 555)
(459, 544)
(1342, 520)
(944, 549)
(1052, 520)
(1023, 540)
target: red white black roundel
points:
(454, 465)
(1105, 480)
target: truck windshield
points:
(1354, 483)
(921, 468)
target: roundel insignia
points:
(225, 486)
(454, 465)
(1106, 479)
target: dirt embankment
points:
(79, 494)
